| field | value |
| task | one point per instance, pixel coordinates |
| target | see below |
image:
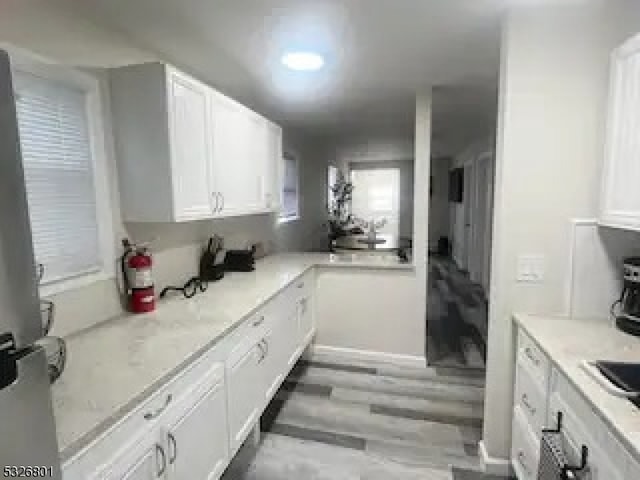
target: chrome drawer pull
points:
(172, 441)
(152, 415)
(531, 356)
(301, 285)
(258, 322)
(163, 465)
(525, 402)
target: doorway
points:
(459, 261)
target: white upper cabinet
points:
(186, 152)
(620, 203)
(190, 148)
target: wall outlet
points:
(530, 268)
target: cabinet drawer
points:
(524, 448)
(582, 426)
(531, 399)
(533, 359)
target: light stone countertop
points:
(568, 342)
(114, 366)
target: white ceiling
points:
(378, 54)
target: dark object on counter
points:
(212, 270)
(189, 289)
(240, 260)
(628, 319)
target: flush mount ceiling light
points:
(303, 61)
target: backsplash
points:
(595, 279)
(176, 250)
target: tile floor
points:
(332, 421)
(456, 317)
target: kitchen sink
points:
(625, 376)
(621, 379)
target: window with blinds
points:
(59, 172)
(290, 194)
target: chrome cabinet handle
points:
(266, 347)
(222, 203)
(301, 285)
(263, 352)
(172, 442)
(163, 465)
(215, 196)
(525, 402)
(529, 353)
(521, 460)
(152, 415)
(258, 322)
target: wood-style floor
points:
(457, 321)
(332, 421)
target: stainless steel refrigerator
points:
(27, 427)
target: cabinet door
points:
(273, 168)
(244, 396)
(142, 461)
(305, 319)
(258, 139)
(235, 178)
(621, 197)
(190, 148)
(197, 443)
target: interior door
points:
(190, 145)
(483, 221)
(197, 443)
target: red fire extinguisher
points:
(136, 263)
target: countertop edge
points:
(85, 442)
(620, 435)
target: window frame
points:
(27, 63)
(282, 218)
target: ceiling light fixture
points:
(303, 61)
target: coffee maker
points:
(629, 318)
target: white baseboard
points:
(493, 465)
(348, 354)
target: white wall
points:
(48, 29)
(348, 316)
(552, 109)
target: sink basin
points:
(617, 378)
(625, 376)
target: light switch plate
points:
(530, 268)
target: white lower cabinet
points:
(243, 392)
(196, 441)
(191, 427)
(541, 393)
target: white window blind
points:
(58, 166)
(290, 194)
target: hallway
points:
(456, 317)
(352, 422)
